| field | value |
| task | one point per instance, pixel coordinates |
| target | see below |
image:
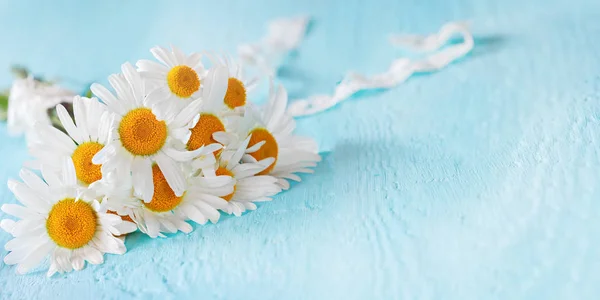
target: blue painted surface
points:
(477, 182)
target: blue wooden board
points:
(477, 182)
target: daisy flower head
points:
(85, 136)
(176, 77)
(141, 134)
(270, 130)
(238, 84)
(168, 213)
(249, 187)
(58, 220)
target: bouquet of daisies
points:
(172, 142)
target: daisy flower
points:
(270, 132)
(248, 186)
(142, 134)
(86, 136)
(167, 212)
(59, 221)
(177, 77)
(238, 85)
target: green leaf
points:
(19, 71)
(3, 106)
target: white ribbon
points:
(399, 70)
(283, 36)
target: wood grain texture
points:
(477, 182)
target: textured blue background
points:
(477, 182)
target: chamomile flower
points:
(177, 78)
(270, 132)
(84, 138)
(238, 85)
(167, 212)
(141, 134)
(59, 221)
(248, 186)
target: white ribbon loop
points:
(400, 69)
(283, 36)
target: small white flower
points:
(248, 186)
(177, 78)
(58, 220)
(84, 138)
(238, 84)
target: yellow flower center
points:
(183, 81)
(141, 133)
(223, 171)
(164, 198)
(236, 93)
(71, 224)
(203, 131)
(269, 149)
(85, 170)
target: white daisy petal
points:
(77, 260)
(28, 197)
(56, 138)
(188, 113)
(28, 227)
(214, 201)
(255, 147)
(34, 257)
(108, 98)
(163, 56)
(67, 122)
(157, 96)
(18, 211)
(134, 80)
(105, 154)
(92, 255)
(7, 225)
(68, 172)
(196, 215)
(235, 159)
(167, 225)
(62, 257)
(125, 227)
(142, 178)
(33, 181)
(184, 226)
(22, 242)
(215, 86)
(152, 67)
(194, 60)
(250, 205)
(104, 126)
(79, 112)
(211, 213)
(172, 173)
(178, 55)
